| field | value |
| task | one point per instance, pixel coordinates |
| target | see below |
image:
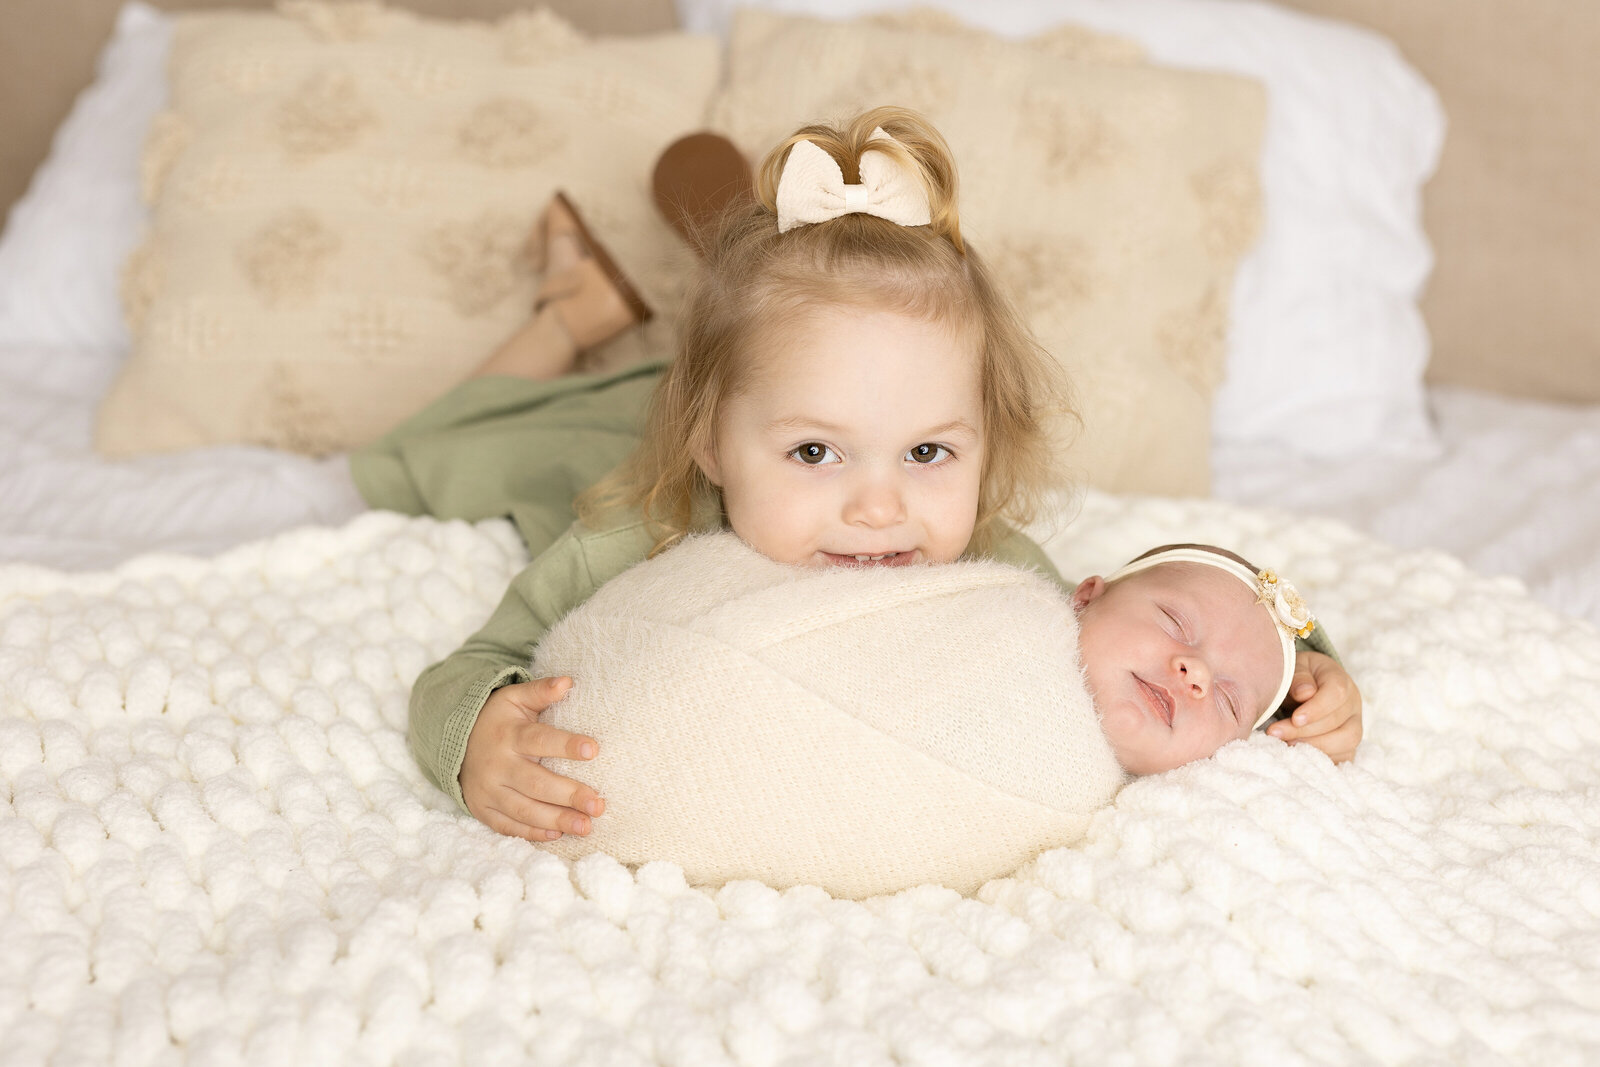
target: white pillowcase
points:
(64, 243)
(1327, 345)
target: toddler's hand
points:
(502, 781)
(1329, 715)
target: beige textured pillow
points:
(341, 198)
(860, 729)
(1114, 199)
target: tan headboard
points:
(1514, 212)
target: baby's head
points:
(1186, 648)
(850, 382)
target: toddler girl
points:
(851, 389)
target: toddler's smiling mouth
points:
(871, 559)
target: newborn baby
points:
(866, 730)
(1180, 655)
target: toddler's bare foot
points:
(584, 300)
(582, 284)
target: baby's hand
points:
(1329, 715)
(502, 781)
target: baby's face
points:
(1180, 660)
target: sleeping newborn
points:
(866, 730)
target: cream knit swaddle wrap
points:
(863, 730)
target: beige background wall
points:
(1514, 212)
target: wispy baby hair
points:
(757, 283)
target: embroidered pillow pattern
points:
(342, 196)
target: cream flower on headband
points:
(1285, 604)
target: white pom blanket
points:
(860, 730)
(216, 850)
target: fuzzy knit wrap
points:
(864, 730)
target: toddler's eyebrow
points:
(794, 423)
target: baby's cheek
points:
(1135, 750)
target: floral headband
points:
(812, 189)
(1290, 615)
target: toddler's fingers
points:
(501, 823)
(540, 814)
(538, 740)
(533, 697)
(1317, 716)
(1291, 730)
(1341, 744)
(542, 785)
(1303, 686)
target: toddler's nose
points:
(875, 503)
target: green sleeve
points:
(1019, 550)
(447, 697)
(1318, 641)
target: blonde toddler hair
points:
(756, 283)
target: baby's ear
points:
(1088, 590)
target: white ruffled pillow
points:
(1327, 345)
(65, 240)
(864, 730)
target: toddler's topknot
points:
(916, 145)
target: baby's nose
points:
(1195, 676)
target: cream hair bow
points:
(812, 189)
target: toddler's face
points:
(857, 441)
(1180, 659)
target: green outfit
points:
(496, 447)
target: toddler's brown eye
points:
(927, 453)
(812, 452)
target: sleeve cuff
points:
(457, 728)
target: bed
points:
(217, 848)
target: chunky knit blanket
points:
(862, 730)
(216, 849)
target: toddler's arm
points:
(1329, 715)
(474, 715)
